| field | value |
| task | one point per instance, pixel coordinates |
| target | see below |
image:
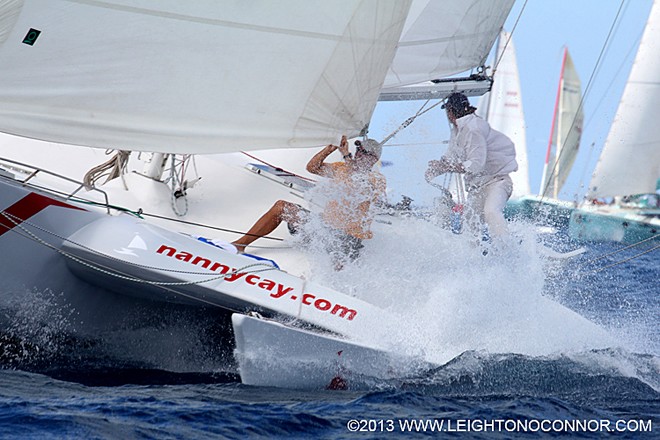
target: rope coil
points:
(111, 169)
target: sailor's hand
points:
(436, 167)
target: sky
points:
(544, 29)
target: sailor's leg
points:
(496, 195)
(279, 212)
(342, 247)
(473, 213)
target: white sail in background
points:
(442, 38)
(630, 161)
(566, 130)
(503, 109)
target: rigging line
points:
(139, 213)
(166, 286)
(624, 60)
(584, 168)
(623, 261)
(184, 166)
(587, 89)
(177, 190)
(620, 250)
(414, 144)
(77, 199)
(69, 196)
(411, 119)
(506, 43)
(201, 225)
(545, 178)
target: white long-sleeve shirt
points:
(486, 154)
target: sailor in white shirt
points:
(485, 156)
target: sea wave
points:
(604, 374)
(593, 385)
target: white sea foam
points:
(39, 321)
(451, 298)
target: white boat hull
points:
(614, 224)
(273, 354)
(48, 312)
(119, 274)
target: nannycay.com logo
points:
(276, 290)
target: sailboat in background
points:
(566, 130)
(622, 203)
(563, 145)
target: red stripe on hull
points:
(26, 208)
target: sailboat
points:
(563, 145)
(207, 110)
(622, 203)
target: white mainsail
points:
(503, 109)
(200, 76)
(208, 77)
(630, 161)
(566, 130)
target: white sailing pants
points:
(487, 205)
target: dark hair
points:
(459, 105)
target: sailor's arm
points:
(316, 164)
(476, 149)
(442, 166)
(477, 152)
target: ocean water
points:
(525, 347)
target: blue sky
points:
(544, 29)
